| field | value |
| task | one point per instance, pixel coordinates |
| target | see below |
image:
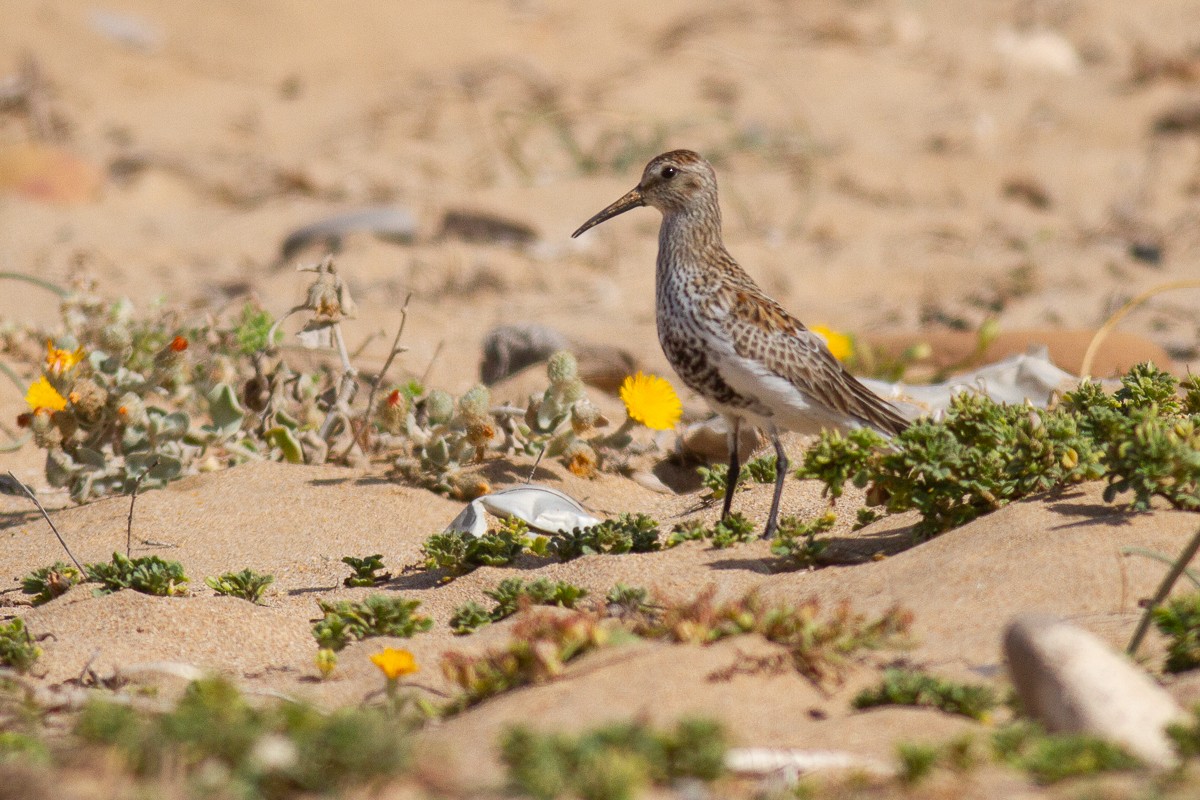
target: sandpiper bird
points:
(751, 360)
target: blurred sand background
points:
(887, 168)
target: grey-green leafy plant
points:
(445, 435)
(510, 594)
(757, 470)
(1052, 757)
(628, 600)
(984, 454)
(1179, 621)
(911, 688)
(737, 529)
(18, 650)
(47, 583)
(346, 621)
(917, 761)
(1185, 735)
(541, 645)
(253, 331)
(818, 646)
(247, 584)
(628, 533)
(258, 751)
(615, 762)
(469, 617)
(133, 406)
(459, 553)
(146, 574)
(366, 571)
(796, 541)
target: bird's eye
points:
(669, 172)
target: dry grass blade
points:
(1085, 370)
(49, 522)
(375, 384)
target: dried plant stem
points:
(347, 386)
(1191, 575)
(49, 522)
(1164, 589)
(437, 351)
(137, 484)
(375, 384)
(1085, 370)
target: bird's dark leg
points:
(781, 468)
(735, 467)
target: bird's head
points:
(673, 182)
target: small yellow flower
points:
(326, 661)
(58, 361)
(840, 344)
(651, 401)
(393, 663)
(42, 395)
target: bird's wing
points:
(764, 333)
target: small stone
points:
(1072, 682)
(508, 349)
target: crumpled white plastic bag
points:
(1028, 377)
(543, 509)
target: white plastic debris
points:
(1028, 377)
(543, 509)
(788, 765)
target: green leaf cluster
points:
(757, 470)
(819, 646)
(365, 571)
(1179, 621)
(18, 650)
(901, 687)
(796, 541)
(510, 594)
(736, 529)
(1052, 757)
(274, 751)
(628, 599)
(252, 330)
(983, 455)
(541, 645)
(628, 533)
(145, 574)
(247, 584)
(47, 583)
(346, 621)
(459, 553)
(615, 762)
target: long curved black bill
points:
(632, 200)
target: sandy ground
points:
(894, 169)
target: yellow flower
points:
(840, 344)
(42, 395)
(651, 401)
(326, 661)
(393, 663)
(59, 361)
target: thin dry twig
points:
(346, 387)
(1085, 370)
(49, 522)
(375, 384)
(1164, 589)
(137, 484)
(437, 351)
